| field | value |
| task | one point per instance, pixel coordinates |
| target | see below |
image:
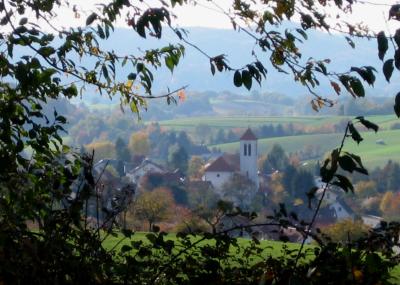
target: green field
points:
(188, 124)
(271, 248)
(373, 154)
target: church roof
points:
(233, 160)
(248, 136)
(219, 165)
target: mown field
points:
(373, 154)
(271, 248)
(188, 124)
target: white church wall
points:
(217, 179)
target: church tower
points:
(249, 156)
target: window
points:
(245, 149)
(249, 149)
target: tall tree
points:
(139, 144)
(121, 150)
(154, 207)
(102, 150)
(178, 158)
(196, 167)
(276, 159)
(240, 190)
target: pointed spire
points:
(248, 136)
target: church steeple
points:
(249, 156)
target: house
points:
(119, 165)
(143, 168)
(336, 208)
(221, 170)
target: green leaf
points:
(397, 37)
(127, 233)
(350, 42)
(397, 105)
(246, 79)
(125, 248)
(355, 135)
(325, 172)
(344, 183)
(212, 68)
(105, 72)
(169, 62)
(23, 21)
(388, 69)
(46, 51)
(302, 33)
(357, 87)
(237, 79)
(132, 76)
(383, 45)
(134, 107)
(397, 58)
(91, 19)
(368, 124)
(366, 73)
(347, 163)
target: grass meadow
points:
(270, 248)
(373, 154)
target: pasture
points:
(375, 150)
(372, 153)
(188, 124)
(274, 249)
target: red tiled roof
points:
(233, 160)
(248, 136)
(219, 165)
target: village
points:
(191, 201)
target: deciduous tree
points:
(154, 206)
(139, 144)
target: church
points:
(221, 170)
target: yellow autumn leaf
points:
(129, 84)
(181, 95)
(94, 50)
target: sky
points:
(373, 13)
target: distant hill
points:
(194, 70)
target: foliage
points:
(53, 186)
(364, 189)
(276, 159)
(139, 144)
(346, 230)
(154, 206)
(101, 150)
(196, 167)
(178, 158)
(121, 150)
(240, 190)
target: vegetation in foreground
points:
(54, 186)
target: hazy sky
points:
(371, 12)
